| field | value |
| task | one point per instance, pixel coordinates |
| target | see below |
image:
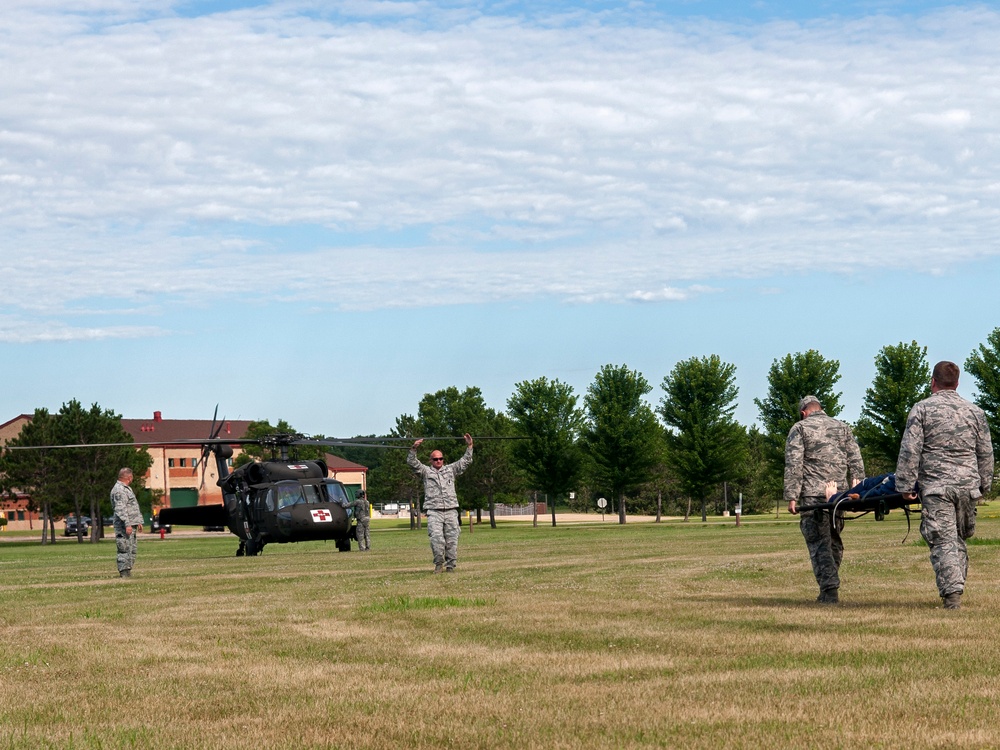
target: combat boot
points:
(952, 601)
(828, 596)
(125, 573)
(438, 568)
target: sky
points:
(322, 211)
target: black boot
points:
(828, 596)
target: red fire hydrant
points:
(163, 533)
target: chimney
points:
(157, 416)
(228, 428)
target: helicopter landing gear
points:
(344, 545)
(242, 550)
(254, 547)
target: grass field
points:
(594, 636)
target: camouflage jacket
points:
(820, 449)
(439, 484)
(361, 508)
(125, 506)
(946, 444)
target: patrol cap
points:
(806, 400)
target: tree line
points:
(689, 451)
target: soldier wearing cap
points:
(947, 453)
(820, 450)
(441, 502)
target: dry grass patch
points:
(600, 636)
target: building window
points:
(194, 463)
(183, 462)
(170, 463)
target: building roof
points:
(160, 430)
(336, 463)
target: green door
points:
(183, 497)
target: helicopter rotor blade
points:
(206, 450)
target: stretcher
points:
(876, 495)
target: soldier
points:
(820, 450)
(441, 502)
(362, 514)
(127, 521)
(946, 453)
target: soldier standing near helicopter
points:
(362, 514)
(441, 502)
(127, 521)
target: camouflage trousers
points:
(126, 546)
(946, 521)
(443, 527)
(364, 540)
(826, 549)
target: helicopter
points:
(279, 500)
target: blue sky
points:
(321, 211)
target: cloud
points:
(14, 330)
(150, 158)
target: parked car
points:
(154, 526)
(73, 526)
(213, 528)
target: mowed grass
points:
(597, 636)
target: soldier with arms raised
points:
(441, 502)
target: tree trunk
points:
(95, 521)
(534, 509)
(659, 506)
(704, 511)
(621, 509)
(45, 523)
(552, 508)
(687, 513)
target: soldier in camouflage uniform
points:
(946, 453)
(820, 450)
(441, 502)
(362, 514)
(127, 521)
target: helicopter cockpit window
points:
(289, 494)
(335, 493)
(311, 493)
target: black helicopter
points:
(280, 500)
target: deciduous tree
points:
(789, 379)
(984, 365)
(622, 433)
(546, 415)
(705, 445)
(902, 377)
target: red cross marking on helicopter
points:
(322, 516)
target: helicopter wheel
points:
(344, 545)
(241, 552)
(253, 548)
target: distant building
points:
(16, 508)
